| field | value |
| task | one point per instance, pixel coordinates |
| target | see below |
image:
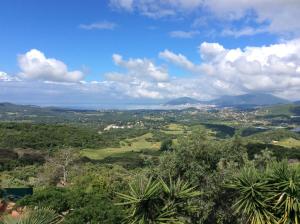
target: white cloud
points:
(35, 66)
(281, 16)
(209, 51)
(157, 8)
(4, 77)
(142, 68)
(137, 84)
(273, 68)
(183, 34)
(105, 25)
(179, 60)
(141, 78)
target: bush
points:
(166, 145)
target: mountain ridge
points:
(254, 99)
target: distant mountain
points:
(246, 100)
(253, 99)
(10, 107)
(182, 101)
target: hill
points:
(256, 99)
(182, 101)
(10, 107)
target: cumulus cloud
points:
(104, 25)
(275, 61)
(272, 69)
(35, 65)
(179, 60)
(139, 82)
(140, 79)
(142, 68)
(209, 51)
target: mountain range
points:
(255, 99)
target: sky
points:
(125, 52)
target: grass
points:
(132, 159)
(130, 145)
(174, 129)
(289, 143)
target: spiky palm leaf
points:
(144, 201)
(286, 185)
(253, 201)
(179, 189)
(178, 192)
(154, 201)
(38, 216)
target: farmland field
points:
(289, 143)
(131, 145)
(174, 129)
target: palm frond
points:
(37, 216)
(253, 200)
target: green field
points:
(174, 129)
(289, 143)
(130, 145)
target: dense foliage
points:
(49, 136)
(91, 199)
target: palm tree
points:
(180, 194)
(37, 216)
(269, 197)
(285, 183)
(155, 201)
(253, 198)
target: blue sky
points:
(144, 51)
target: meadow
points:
(129, 145)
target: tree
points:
(60, 164)
(207, 164)
(166, 145)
